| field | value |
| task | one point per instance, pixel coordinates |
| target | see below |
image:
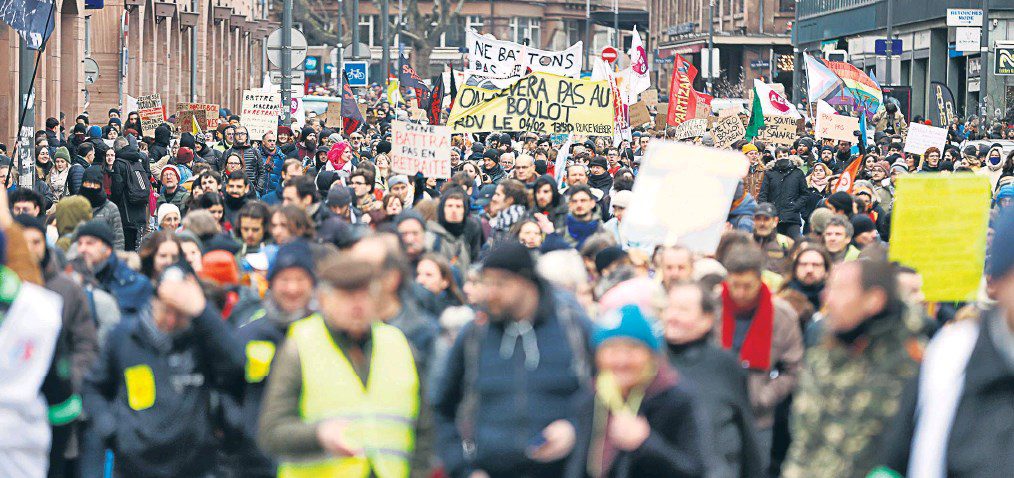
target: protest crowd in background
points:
(513, 274)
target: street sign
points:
(709, 58)
(298, 77)
(609, 54)
(311, 64)
(358, 73)
(1004, 60)
(964, 17)
(275, 48)
(880, 46)
(91, 71)
(967, 38)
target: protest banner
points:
(682, 97)
(639, 114)
(333, 115)
(152, 114)
(938, 227)
(778, 129)
(660, 121)
(691, 128)
(838, 127)
(186, 118)
(506, 60)
(417, 114)
(674, 174)
(727, 130)
(650, 97)
(421, 148)
(922, 137)
(260, 112)
(540, 103)
(210, 113)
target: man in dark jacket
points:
(292, 281)
(157, 372)
(252, 159)
(82, 160)
(94, 241)
(133, 215)
(518, 394)
(717, 378)
(274, 159)
(160, 148)
(784, 186)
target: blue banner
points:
(33, 19)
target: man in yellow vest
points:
(343, 393)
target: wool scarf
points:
(755, 353)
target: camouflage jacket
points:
(846, 398)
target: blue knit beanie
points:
(626, 322)
(1001, 254)
(294, 254)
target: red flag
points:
(352, 118)
(847, 180)
(435, 99)
(682, 97)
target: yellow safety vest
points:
(381, 415)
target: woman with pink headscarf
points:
(339, 159)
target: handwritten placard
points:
(922, 137)
(260, 112)
(149, 108)
(210, 113)
(727, 130)
(421, 148)
(838, 127)
(691, 129)
(779, 130)
(639, 114)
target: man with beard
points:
(228, 137)
(491, 166)
(307, 147)
(285, 143)
(785, 187)
(755, 177)
(102, 208)
(506, 362)
(599, 177)
(580, 222)
(236, 189)
(809, 271)
(252, 158)
(274, 160)
(775, 246)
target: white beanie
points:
(165, 210)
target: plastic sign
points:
(609, 54)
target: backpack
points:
(137, 187)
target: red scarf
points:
(755, 353)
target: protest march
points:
(534, 266)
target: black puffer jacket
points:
(131, 215)
(785, 186)
(160, 148)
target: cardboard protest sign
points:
(779, 130)
(149, 108)
(506, 60)
(672, 175)
(260, 112)
(186, 118)
(922, 137)
(417, 114)
(650, 97)
(540, 103)
(661, 121)
(938, 227)
(421, 148)
(333, 115)
(210, 113)
(639, 114)
(839, 127)
(727, 130)
(691, 128)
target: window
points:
(454, 35)
(523, 28)
(786, 6)
(475, 22)
(573, 28)
(369, 30)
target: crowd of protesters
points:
(182, 305)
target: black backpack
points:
(137, 186)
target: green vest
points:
(381, 415)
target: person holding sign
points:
(642, 419)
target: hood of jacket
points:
(163, 134)
(130, 154)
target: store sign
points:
(681, 29)
(964, 17)
(1004, 60)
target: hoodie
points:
(160, 148)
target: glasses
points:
(358, 183)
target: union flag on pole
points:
(682, 97)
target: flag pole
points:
(29, 94)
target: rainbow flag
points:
(867, 92)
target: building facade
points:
(929, 53)
(141, 47)
(752, 38)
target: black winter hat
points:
(187, 140)
(296, 254)
(478, 147)
(862, 223)
(493, 154)
(94, 174)
(306, 132)
(513, 257)
(841, 201)
(598, 161)
(607, 257)
(98, 229)
(384, 147)
(28, 221)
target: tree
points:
(422, 31)
(319, 21)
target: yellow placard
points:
(538, 102)
(140, 387)
(259, 354)
(938, 228)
